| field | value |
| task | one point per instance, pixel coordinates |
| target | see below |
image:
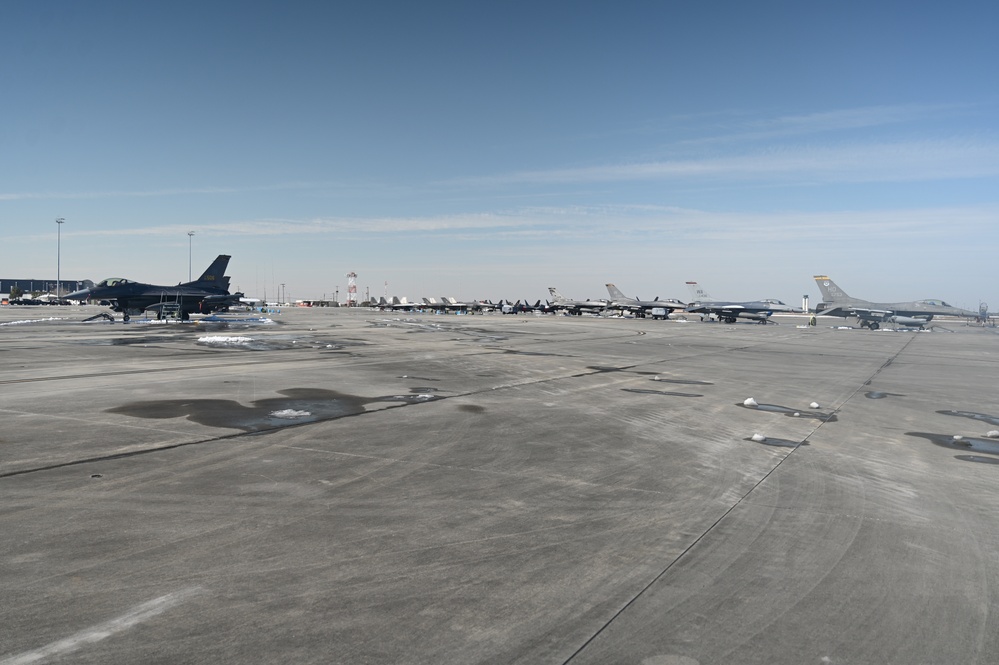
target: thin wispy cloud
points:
(848, 162)
(165, 192)
(824, 122)
(609, 223)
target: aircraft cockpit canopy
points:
(115, 281)
(933, 301)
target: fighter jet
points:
(917, 313)
(619, 301)
(560, 302)
(728, 311)
(208, 293)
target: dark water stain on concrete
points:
(688, 382)
(659, 392)
(966, 444)
(513, 352)
(877, 394)
(791, 413)
(296, 406)
(984, 417)
(471, 408)
(779, 443)
(656, 375)
(977, 459)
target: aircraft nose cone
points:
(77, 295)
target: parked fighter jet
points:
(208, 293)
(728, 311)
(917, 313)
(560, 302)
(619, 301)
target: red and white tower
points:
(352, 289)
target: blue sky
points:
(488, 150)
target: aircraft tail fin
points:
(215, 275)
(555, 294)
(697, 293)
(615, 293)
(830, 292)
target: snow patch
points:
(289, 413)
(224, 340)
(18, 323)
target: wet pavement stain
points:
(791, 413)
(471, 408)
(977, 459)
(296, 406)
(687, 382)
(656, 375)
(984, 417)
(965, 443)
(512, 352)
(659, 392)
(778, 443)
(877, 394)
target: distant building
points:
(29, 286)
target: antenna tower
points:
(352, 289)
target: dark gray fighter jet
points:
(209, 293)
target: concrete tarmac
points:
(366, 487)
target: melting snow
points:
(223, 340)
(289, 413)
(17, 323)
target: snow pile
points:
(289, 413)
(224, 340)
(18, 323)
(759, 438)
(750, 402)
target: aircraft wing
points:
(871, 314)
(708, 308)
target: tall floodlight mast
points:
(59, 222)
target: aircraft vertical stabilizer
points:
(214, 276)
(697, 293)
(830, 292)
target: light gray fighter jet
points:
(619, 301)
(560, 302)
(729, 311)
(917, 313)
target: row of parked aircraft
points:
(210, 293)
(835, 302)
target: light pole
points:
(282, 293)
(59, 222)
(190, 245)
